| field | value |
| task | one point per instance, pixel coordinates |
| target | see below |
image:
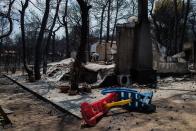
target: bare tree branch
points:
(8, 17)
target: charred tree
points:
(8, 17)
(39, 41)
(154, 20)
(65, 23)
(184, 25)
(102, 19)
(53, 46)
(108, 28)
(115, 22)
(49, 37)
(175, 27)
(108, 21)
(81, 54)
(24, 59)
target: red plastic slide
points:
(92, 111)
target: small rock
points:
(170, 107)
(73, 92)
(10, 98)
(137, 123)
(171, 118)
(64, 89)
(86, 89)
(118, 129)
(50, 112)
(109, 127)
(83, 125)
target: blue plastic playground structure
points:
(140, 101)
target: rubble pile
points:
(169, 64)
(91, 72)
(57, 70)
(102, 70)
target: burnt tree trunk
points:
(8, 17)
(49, 38)
(24, 59)
(175, 28)
(156, 26)
(53, 46)
(39, 42)
(102, 19)
(108, 21)
(108, 29)
(184, 26)
(81, 54)
(194, 44)
(115, 22)
(68, 52)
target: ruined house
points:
(134, 61)
(105, 50)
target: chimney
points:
(142, 10)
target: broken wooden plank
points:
(4, 118)
(7, 111)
